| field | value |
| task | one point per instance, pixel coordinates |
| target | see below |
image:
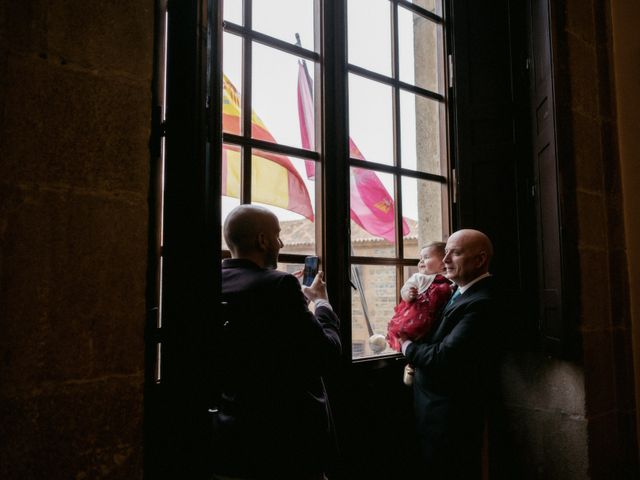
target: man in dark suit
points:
(273, 418)
(454, 363)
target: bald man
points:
(273, 418)
(454, 363)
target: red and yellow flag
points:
(274, 179)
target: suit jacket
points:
(273, 418)
(453, 369)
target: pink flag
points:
(371, 205)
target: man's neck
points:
(466, 286)
(252, 257)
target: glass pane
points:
(231, 155)
(369, 34)
(275, 97)
(232, 11)
(420, 47)
(372, 306)
(433, 6)
(282, 19)
(232, 83)
(422, 209)
(372, 213)
(280, 184)
(370, 120)
(424, 152)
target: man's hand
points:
(317, 290)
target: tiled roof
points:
(301, 232)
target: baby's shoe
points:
(407, 378)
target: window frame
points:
(331, 79)
(397, 170)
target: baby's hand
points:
(413, 294)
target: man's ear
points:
(482, 258)
(261, 241)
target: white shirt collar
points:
(475, 280)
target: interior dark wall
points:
(563, 412)
(74, 126)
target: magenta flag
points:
(371, 205)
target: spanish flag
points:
(274, 179)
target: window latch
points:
(450, 71)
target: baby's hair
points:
(437, 246)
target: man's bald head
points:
(468, 256)
(252, 232)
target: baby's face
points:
(430, 261)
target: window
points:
(275, 123)
(269, 155)
(398, 153)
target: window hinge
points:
(454, 185)
(450, 70)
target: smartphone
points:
(310, 270)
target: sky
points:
(275, 76)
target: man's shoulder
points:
(247, 272)
(483, 290)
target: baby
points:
(423, 296)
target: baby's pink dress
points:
(415, 319)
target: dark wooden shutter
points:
(545, 187)
(493, 158)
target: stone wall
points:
(587, 116)
(576, 419)
(75, 104)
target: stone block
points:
(115, 36)
(540, 444)
(592, 225)
(25, 256)
(564, 446)
(91, 430)
(599, 372)
(629, 445)
(535, 381)
(620, 301)
(595, 289)
(582, 71)
(623, 357)
(610, 158)
(588, 153)
(71, 128)
(604, 446)
(100, 284)
(25, 26)
(606, 81)
(74, 273)
(19, 433)
(580, 20)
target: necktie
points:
(455, 295)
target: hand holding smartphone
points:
(310, 270)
